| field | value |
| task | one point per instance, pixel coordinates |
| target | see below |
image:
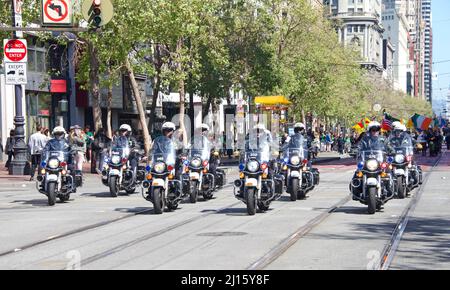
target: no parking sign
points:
(57, 12)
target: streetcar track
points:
(152, 235)
(391, 247)
(80, 230)
(288, 242)
(277, 251)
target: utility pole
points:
(19, 166)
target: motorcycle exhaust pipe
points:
(356, 183)
(145, 184)
(238, 183)
(40, 178)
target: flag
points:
(421, 122)
(387, 122)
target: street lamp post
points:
(19, 166)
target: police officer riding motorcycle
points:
(373, 183)
(296, 166)
(407, 174)
(120, 171)
(200, 167)
(163, 179)
(258, 184)
(57, 176)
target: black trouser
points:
(35, 163)
(10, 157)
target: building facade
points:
(360, 26)
(396, 32)
(428, 49)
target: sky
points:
(441, 51)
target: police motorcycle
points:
(373, 183)
(407, 174)
(117, 172)
(300, 177)
(57, 177)
(161, 185)
(203, 177)
(258, 185)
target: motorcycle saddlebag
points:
(78, 180)
(316, 175)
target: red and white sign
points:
(57, 12)
(15, 50)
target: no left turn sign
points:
(56, 12)
(15, 50)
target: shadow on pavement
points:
(33, 202)
(136, 210)
(362, 210)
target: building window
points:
(349, 29)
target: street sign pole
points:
(19, 166)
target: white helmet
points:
(259, 127)
(374, 124)
(59, 130)
(204, 127)
(398, 126)
(125, 127)
(299, 126)
(168, 126)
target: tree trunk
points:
(206, 108)
(95, 85)
(109, 132)
(140, 107)
(182, 92)
(157, 86)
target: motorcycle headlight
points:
(196, 162)
(295, 160)
(399, 158)
(159, 167)
(253, 166)
(372, 165)
(53, 163)
(115, 159)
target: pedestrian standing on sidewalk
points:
(100, 149)
(89, 138)
(78, 148)
(340, 144)
(9, 147)
(1, 149)
(36, 144)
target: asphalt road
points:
(95, 231)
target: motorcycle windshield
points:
(258, 149)
(379, 155)
(297, 146)
(121, 147)
(163, 151)
(58, 149)
(60, 155)
(200, 148)
(404, 150)
(402, 145)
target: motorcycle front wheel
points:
(193, 193)
(251, 201)
(294, 189)
(158, 201)
(372, 200)
(51, 189)
(113, 186)
(401, 188)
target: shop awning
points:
(272, 100)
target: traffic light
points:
(96, 13)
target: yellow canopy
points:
(272, 100)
